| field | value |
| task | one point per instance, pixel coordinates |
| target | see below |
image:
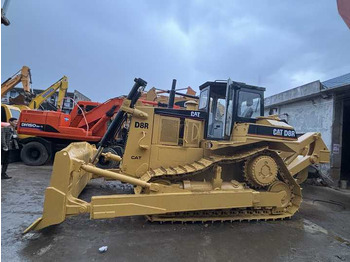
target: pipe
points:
(186, 95)
(113, 157)
(154, 103)
(172, 94)
(116, 176)
(117, 122)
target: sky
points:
(101, 46)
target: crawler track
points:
(237, 214)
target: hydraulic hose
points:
(117, 122)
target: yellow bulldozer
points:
(218, 160)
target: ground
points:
(319, 232)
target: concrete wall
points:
(337, 134)
(80, 97)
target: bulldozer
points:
(218, 160)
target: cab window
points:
(203, 100)
(3, 115)
(248, 104)
(216, 117)
(15, 113)
(89, 108)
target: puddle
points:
(313, 228)
(342, 240)
(329, 204)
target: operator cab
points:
(227, 102)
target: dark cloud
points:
(102, 45)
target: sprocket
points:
(260, 171)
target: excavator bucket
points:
(22, 99)
(67, 182)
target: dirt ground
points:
(319, 232)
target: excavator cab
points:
(227, 102)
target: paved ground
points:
(319, 232)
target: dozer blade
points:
(67, 182)
(72, 170)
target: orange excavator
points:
(51, 131)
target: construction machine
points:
(50, 131)
(222, 161)
(27, 99)
(7, 112)
(157, 95)
(36, 101)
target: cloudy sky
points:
(103, 45)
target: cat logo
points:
(195, 114)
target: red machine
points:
(52, 131)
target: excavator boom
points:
(23, 76)
(61, 85)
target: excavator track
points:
(236, 214)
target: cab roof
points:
(223, 83)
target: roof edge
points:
(298, 93)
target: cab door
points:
(221, 106)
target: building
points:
(51, 103)
(323, 107)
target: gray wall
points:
(80, 97)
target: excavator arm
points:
(23, 76)
(61, 85)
